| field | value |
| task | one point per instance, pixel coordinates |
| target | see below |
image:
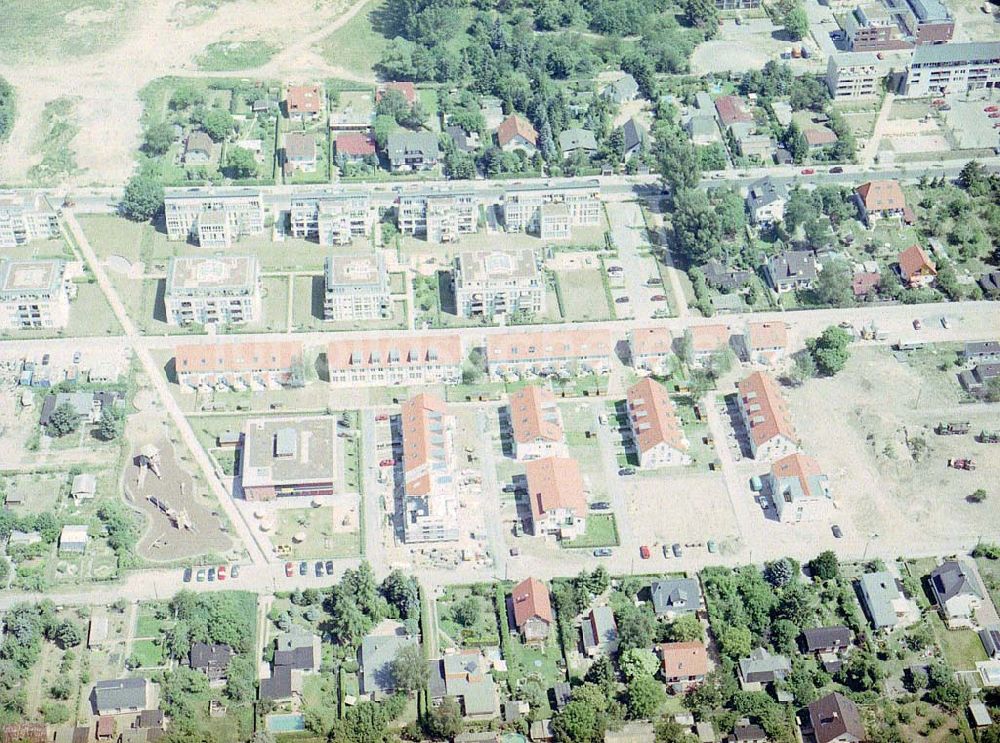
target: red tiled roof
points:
(418, 416)
(554, 483)
(769, 418)
(514, 125)
(764, 335)
(220, 357)
(914, 262)
(357, 144)
(533, 417)
(707, 338)
(820, 137)
(731, 111)
(865, 281)
(647, 341)
(658, 423)
(882, 196)
(412, 350)
(530, 599)
(408, 90)
(683, 659)
(303, 99)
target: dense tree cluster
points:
(8, 108)
(830, 350)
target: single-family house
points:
(517, 133)
(683, 664)
(352, 147)
(746, 732)
(863, 283)
(990, 637)
(634, 135)
(73, 539)
(791, 270)
(730, 110)
(915, 267)
(576, 140)
(835, 719)
(622, 90)
(599, 632)
(531, 609)
(884, 603)
(880, 200)
(826, 639)
(798, 489)
(976, 381)
(375, 659)
(981, 352)
(467, 676)
(702, 129)
(298, 649)
(212, 660)
(763, 343)
(121, 696)
(819, 137)
(406, 89)
(300, 152)
(989, 282)
(556, 497)
(464, 141)
(726, 279)
(761, 668)
(673, 597)
(957, 591)
(83, 487)
(766, 202)
(755, 146)
(304, 102)
(198, 148)
(411, 151)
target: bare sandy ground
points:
(161, 40)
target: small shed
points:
(979, 714)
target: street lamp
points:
(873, 535)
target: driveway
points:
(629, 231)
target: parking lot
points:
(636, 286)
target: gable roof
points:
(408, 90)
(951, 579)
(765, 192)
(303, 99)
(128, 693)
(880, 196)
(198, 142)
(915, 262)
(879, 592)
(402, 143)
(731, 111)
(279, 685)
(357, 144)
(530, 600)
(791, 266)
(708, 338)
(864, 281)
(675, 594)
(798, 476)
(300, 146)
(763, 667)
(377, 654)
(835, 716)
(555, 483)
(765, 335)
(204, 656)
(423, 441)
(634, 134)
(599, 627)
(683, 659)
(514, 126)
(236, 357)
(766, 409)
(653, 417)
(534, 415)
(577, 139)
(818, 638)
(622, 89)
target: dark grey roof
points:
(749, 732)
(577, 139)
(990, 281)
(460, 137)
(991, 639)
(599, 627)
(562, 693)
(401, 144)
(956, 53)
(723, 277)
(763, 667)
(978, 349)
(279, 686)
(120, 694)
(376, 655)
(765, 192)
(835, 716)
(675, 595)
(634, 134)
(792, 266)
(295, 658)
(821, 638)
(622, 89)
(204, 657)
(951, 579)
(436, 688)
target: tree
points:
(862, 671)
(368, 722)
(778, 572)
(445, 721)
(833, 284)
(825, 565)
(795, 142)
(467, 612)
(677, 159)
(402, 593)
(829, 350)
(669, 731)
(63, 420)
(793, 605)
(977, 496)
(409, 669)
(158, 139)
(944, 689)
(241, 680)
(579, 722)
(240, 163)
(686, 628)
(636, 627)
(645, 696)
(186, 95)
(697, 224)
(701, 14)
(68, 634)
(734, 642)
(143, 197)
(803, 368)
(796, 22)
(636, 662)
(217, 123)
(109, 426)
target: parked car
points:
(187, 575)
(655, 281)
(917, 325)
(289, 569)
(211, 575)
(712, 546)
(622, 300)
(837, 532)
(318, 568)
(303, 567)
(836, 169)
(221, 572)
(658, 298)
(234, 572)
(677, 549)
(381, 417)
(808, 171)
(644, 552)
(666, 552)
(995, 116)
(626, 471)
(945, 323)
(76, 357)
(329, 567)
(991, 109)
(601, 505)
(387, 463)
(201, 576)
(602, 552)
(614, 269)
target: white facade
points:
(578, 204)
(213, 290)
(498, 282)
(33, 294)
(855, 75)
(185, 209)
(438, 217)
(356, 288)
(24, 218)
(387, 362)
(939, 69)
(330, 217)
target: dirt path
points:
(107, 84)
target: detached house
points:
(885, 604)
(761, 668)
(599, 632)
(622, 90)
(573, 141)
(300, 152)
(880, 200)
(763, 343)
(212, 660)
(412, 151)
(516, 133)
(556, 497)
(673, 597)
(799, 489)
(657, 436)
(197, 148)
(766, 202)
(916, 269)
(304, 102)
(835, 719)
(765, 415)
(683, 664)
(536, 424)
(957, 592)
(634, 136)
(791, 270)
(531, 608)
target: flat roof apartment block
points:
(356, 288)
(429, 489)
(855, 75)
(438, 216)
(289, 456)
(194, 214)
(25, 217)
(206, 290)
(498, 282)
(522, 207)
(331, 217)
(390, 361)
(33, 294)
(240, 365)
(939, 69)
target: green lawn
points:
(601, 532)
(961, 648)
(357, 46)
(583, 295)
(236, 55)
(148, 653)
(322, 539)
(482, 632)
(148, 626)
(525, 662)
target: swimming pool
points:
(285, 723)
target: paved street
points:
(629, 232)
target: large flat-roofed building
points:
(33, 294)
(413, 359)
(924, 21)
(238, 365)
(536, 428)
(498, 282)
(429, 488)
(213, 217)
(25, 217)
(855, 75)
(870, 27)
(938, 69)
(439, 217)
(288, 456)
(565, 353)
(736, 4)
(356, 287)
(657, 436)
(331, 217)
(523, 207)
(766, 417)
(223, 289)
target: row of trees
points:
(8, 108)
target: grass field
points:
(236, 55)
(961, 648)
(89, 315)
(148, 653)
(357, 45)
(307, 310)
(601, 532)
(583, 296)
(321, 538)
(60, 128)
(60, 28)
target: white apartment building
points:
(498, 282)
(429, 486)
(658, 439)
(939, 69)
(213, 217)
(26, 217)
(855, 75)
(564, 353)
(535, 424)
(331, 217)
(438, 216)
(356, 287)
(33, 294)
(551, 210)
(223, 290)
(651, 350)
(390, 361)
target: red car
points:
(991, 109)
(995, 116)
(658, 298)
(381, 417)
(221, 572)
(387, 463)
(289, 570)
(644, 552)
(808, 171)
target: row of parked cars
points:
(320, 568)
(211, 574)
